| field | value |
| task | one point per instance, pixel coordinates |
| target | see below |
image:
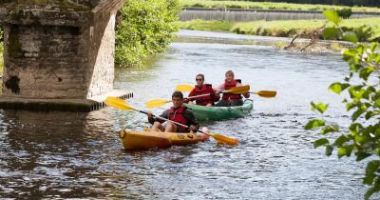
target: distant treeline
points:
(328, 2)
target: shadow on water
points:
(72, 155)
(48, 153)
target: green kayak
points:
(203, 113)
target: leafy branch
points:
(362, 137)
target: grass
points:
(279, 28)
(268, 6)
(203, 25)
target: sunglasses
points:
(199, 79)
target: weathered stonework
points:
(57, 49)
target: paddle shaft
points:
(161, 118)
(192, 97)
(196, 96)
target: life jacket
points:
(177, 115)
(229, 85)
(205, 89)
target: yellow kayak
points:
(137, 140)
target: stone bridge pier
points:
(58, 54)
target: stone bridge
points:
(58, 54)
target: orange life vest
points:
(229, 85)
(177, 115)
(205, 89)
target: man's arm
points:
(192, 93)
(193, 123)
(214, 96)
(152, 119)
(219, 88)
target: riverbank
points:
(244, 15)
(284, 28)
(282, 43)
(268, 6)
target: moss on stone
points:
(51, 4)
(14, 45)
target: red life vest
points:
(229, 85)
(176, 114)
(205, 89)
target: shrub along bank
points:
(288, 28)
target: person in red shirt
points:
(229, 99)
(177, 113)
(203, 89)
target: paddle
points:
(235, 90)
(123, 105)
(154, 103)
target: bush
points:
(146, 28)
(363, 33)
(345, 13)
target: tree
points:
(362, 137)
(145, 27)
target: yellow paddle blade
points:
(222, 139)
(266, 93)
(239, 89)
(184, 88)
(154, 103)
(118, 103)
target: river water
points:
(75, 155)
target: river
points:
(58, 155)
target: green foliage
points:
(321, 142)
(350, 36)
(320, 107)
(315, 123)
(345, 13)
(146, 28)
(206, 25)
(330, 33)
(338, 87)
(362, 102)
(332, 16)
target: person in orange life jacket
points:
(177, 113)
(229, 99)
(200, 89)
